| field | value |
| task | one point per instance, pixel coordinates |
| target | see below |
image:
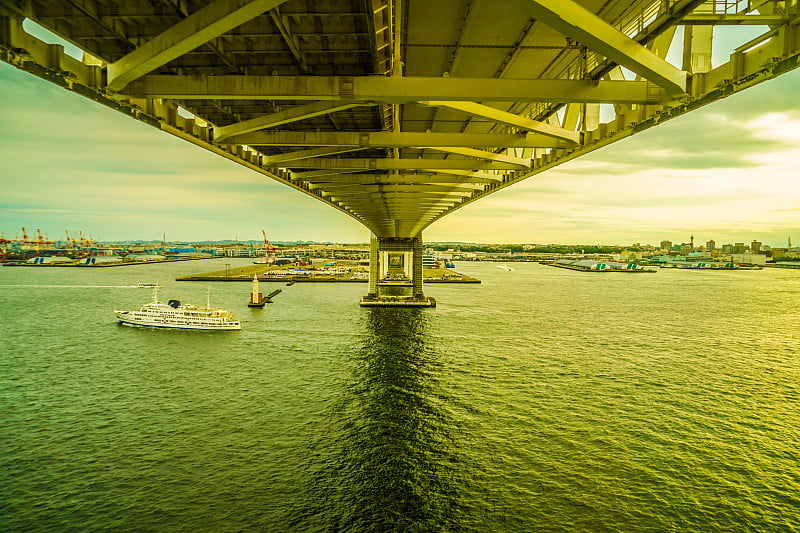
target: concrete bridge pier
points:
(395, 273)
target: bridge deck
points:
(398, 112)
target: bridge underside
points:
(398, 112)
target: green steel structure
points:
(398, 112)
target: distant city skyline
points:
(727, 172)
(250, 240)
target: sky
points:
(728, 172)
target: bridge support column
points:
(395, 273)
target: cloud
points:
(699, 140)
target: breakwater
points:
(317, 273)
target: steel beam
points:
(198, 28)
(490, 178)
(510, 119)
(407, 164)
(367, 205)
(294, 114)
(400, 198)
(403, 215)
(394, 89)
(289, 39)
(482, 154)
(576, 22)
(273, 160)
(412, 209)
(392, 185)
(718, 20)
(300, 176)
(405, 139)
(397, 178)
(392, 191)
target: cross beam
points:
(273, 160)
(481, 177)
(576, 22)
(293, 114)
(394, 89)
(482, 154)
(393, 182)
(408, 164)
(289, 39)
(405, 139)
(430, 191)
(510, 119)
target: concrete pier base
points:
(395, 273)
(392, 301)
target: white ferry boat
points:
(173, 315)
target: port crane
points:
(269, 250)
(4, 243)
(42, 241)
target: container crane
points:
(40, 240)
(84, 241)
(4, 243)
(269, 252)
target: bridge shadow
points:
(394, 467)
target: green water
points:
(541, 400)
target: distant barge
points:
(599, 266)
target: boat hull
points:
(125, 321)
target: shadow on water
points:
(387, 462)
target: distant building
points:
(711, 246)
(749, 259)
(755, 247)
(145, 257)
(739, 248)
(727, 248)
(238, 252)
(666, 245)
(631, 255)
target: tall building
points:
(738, 248)
(691, 244)
(711, 246)
(727, 248)
(755, 247)
(666, 245)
